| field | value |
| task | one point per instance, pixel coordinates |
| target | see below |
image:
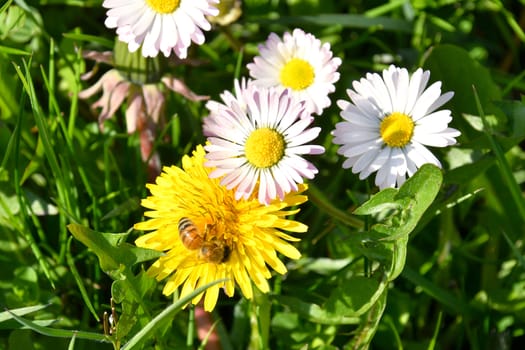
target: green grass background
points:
(462, 284)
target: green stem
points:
(260, 321)
(320, 200)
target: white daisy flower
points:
(388, 123)
(256, 140)
(160, 25)
(299, 62)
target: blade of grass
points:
(210, 332)
(43, 129)
(12, 51)
(238, 64)
(73, 109)
(50, 87)
(90, 39)
(26, 232)
(68, 131)
(5, 316)
(511, 21)
(223, 333)
(433, 341)
(390, 324)
(63, 184)
(78, 280)
(447, 299)
(61, 333)
(383, 9)
(71, 345)
(515, 81)
(345, 20)
(503, 165)
(515, 251)
(5, 6)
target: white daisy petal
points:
(310, 70)
(256, 139)
(157, 27)
(377, 163)
(387, 123)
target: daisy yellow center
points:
(297, 74)
(397, 129)
(264, 147)
(163, 6)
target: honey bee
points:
(215, 250)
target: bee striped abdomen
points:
(189, 234)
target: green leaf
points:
(364, 334)
(409, 202)
(116, 258)
(314, 312)
(423, 188)
(459, 78)
(355, 296)
(381, 200)
(403, 209)
(113, 253)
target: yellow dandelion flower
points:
(208, 235)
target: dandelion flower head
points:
(207, 234)
(300, 62)
(256, 140)
(389, 121)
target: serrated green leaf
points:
(116, 258)
(110, 249)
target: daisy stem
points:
(503, 165)
(323, 203)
